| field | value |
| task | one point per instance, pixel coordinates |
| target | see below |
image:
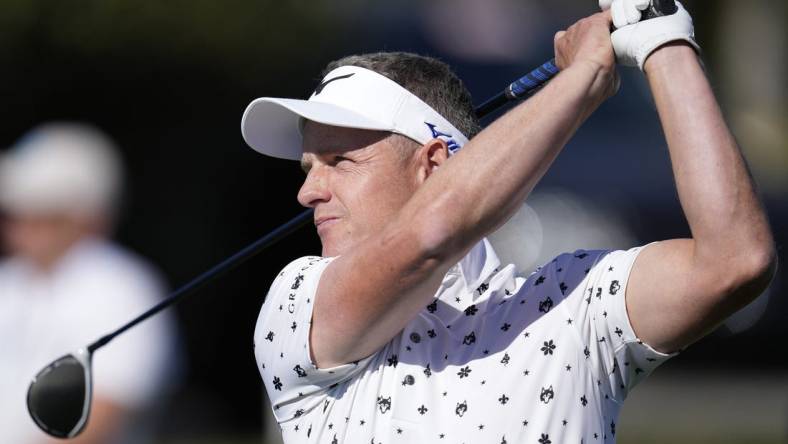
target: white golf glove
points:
(635, 40)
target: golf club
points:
(59, 397)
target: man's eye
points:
(338, 159)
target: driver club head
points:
(59, 396)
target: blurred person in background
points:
(63, 284)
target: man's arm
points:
(681, 289)
(368, 295)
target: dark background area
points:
(170, 80)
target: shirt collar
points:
(478, 265)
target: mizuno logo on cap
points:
(451, 144)
(323, 84)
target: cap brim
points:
(271, 125)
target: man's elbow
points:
(753, 272)
(439, 237)
(763, 266)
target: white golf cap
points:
(61, 168)
(349, 96)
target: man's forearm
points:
(714, 186)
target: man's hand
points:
(634, 40)
(624, 12)
(587, 43)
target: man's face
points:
(356, 181)
(40, 238)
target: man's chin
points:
(333, 247)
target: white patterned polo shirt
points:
(494, 358)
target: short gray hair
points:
(428, 78)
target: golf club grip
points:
(532, 81)
(658, 8)
(535, 79)
(521, 87)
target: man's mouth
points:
(323, 223)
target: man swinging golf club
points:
(408, 329)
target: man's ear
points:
(431, 156)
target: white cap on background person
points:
(68, 168)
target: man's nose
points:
(315, 188)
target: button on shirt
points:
(494, 358)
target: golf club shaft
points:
(217, 270)
(521, 87)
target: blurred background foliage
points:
(170, 79)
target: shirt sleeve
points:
(619, 357)
(294, 383)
